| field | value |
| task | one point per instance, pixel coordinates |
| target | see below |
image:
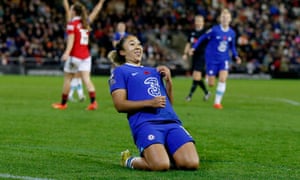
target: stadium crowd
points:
(267, 30)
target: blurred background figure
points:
(198, 58)
(77, 56)
(120, 33)
(76, 86)
(268, 32)
(221, 42)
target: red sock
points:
(64, 99)
(92, 96)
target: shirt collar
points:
(224, 29)
(76, 18)
(134, 65)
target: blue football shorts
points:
(171, 135)
(213, 69)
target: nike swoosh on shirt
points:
(134, 74)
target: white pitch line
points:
(289, 101)
(10, 176)
(284, 100)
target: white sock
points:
(206, 79)
(79, 88)
(129, 162)
(220, 92)
(73, 87)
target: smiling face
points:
(132, 50)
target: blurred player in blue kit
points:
(145, 94)
(221, 39)
(120, 33)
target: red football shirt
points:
(80, 48)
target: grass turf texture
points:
(255, 136)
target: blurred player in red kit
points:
(76, 55)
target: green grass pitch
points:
(255, 136)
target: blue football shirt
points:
(118, 36)
(143, 83)
(219, 45)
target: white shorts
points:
(74, 65)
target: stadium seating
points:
(267, 33)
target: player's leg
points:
(194, 85)
(80, 91)
(69, 71)
(201, 83)
(66, 88)
(90, 88)
(85, 69)
(186, 157)
(155, 159)
(73, 86)
(211, 73)
(182, 148)
(154, 156)
(221, 88)
(211, 79)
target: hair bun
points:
(113, 57)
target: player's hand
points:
(184, 57)
(165, 72)
(191, 51)
(159, 101)
(65, 57)
(238, 60)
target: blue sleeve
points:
(116, 37)
(205, 36)
(117, 80)
(233, 46)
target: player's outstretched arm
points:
(96, 10)
(202, 38)
(67, 10)
(186, 51)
